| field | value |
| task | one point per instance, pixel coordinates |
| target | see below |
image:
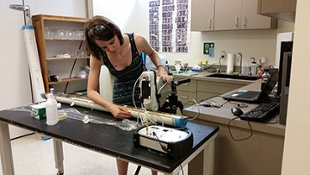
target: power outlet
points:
(223, 54)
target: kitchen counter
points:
(202, 86)
(203, 76)
(223, 115)
(237, 151)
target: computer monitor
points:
(286, 46)
(284, 79)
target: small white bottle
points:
(51, 110)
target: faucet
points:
(239, 57)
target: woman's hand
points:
(119, 112)
(162, 73)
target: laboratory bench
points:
(108, 140)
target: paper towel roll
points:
(230, 62)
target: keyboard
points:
(262, 112)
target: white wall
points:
(296, 156)
(15, 82)
(123, 13)
(15, 87)
(76, 8)
(14, 77)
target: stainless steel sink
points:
(239, 77)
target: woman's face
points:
(111, 46)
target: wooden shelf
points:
(58, 18)
(66, 80)
(50, 39)
(40, 22)
(63, 59)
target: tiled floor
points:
(33, 156)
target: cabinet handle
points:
(236, 21)
(185, 84)
(210, 23)
(244, 21)
(184, 97)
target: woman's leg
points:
(122, 167)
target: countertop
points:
(203, 76)
(223, 115)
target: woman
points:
(121, 53)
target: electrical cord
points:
(169, 152)
(245, 138)
(72, 68)
(198, 108)
(216, 104)
(162, 87)
(133, 91)
(70, 75)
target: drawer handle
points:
(185, 84)
(184, 97)
(210, 23)
(245, 22)
(237, 22)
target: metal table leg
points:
(59, 156)
(6, 150)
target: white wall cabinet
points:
(227, 14)
(202, 18)
(281, 9)
(250, 19)
(217, 15)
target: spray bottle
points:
(253, 66)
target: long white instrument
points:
(159, 117)
(33, 63)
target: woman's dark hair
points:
(100, 28)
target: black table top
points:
(107, 139)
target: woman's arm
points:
(143, 46)
(92, 91)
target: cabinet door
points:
(227, 15)
(202, 18)
(206, 95)
(186, 97)
(189, 87)
(250, 19)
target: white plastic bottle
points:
(254, 68)
(51, 110)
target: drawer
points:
(216, 87)
(206, 95)
(186, 97)
(189, 87)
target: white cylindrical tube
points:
(169, 119)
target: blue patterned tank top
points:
(125, 79)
